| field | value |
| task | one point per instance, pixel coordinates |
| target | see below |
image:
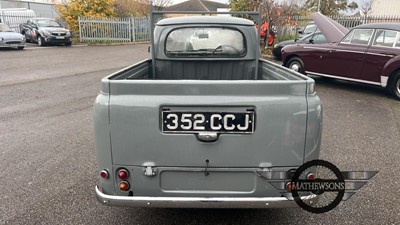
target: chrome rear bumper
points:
(195, 202)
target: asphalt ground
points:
(47, 157)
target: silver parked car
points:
(9, 38)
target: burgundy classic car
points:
(369, 53)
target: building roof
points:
(196, 5)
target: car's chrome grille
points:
(58, 34)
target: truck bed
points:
(206, 70)
(279, 99)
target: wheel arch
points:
(289, 57)
(392, 75)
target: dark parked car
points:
(45, 31)
(9, 38)
(312, 38)
(369, 53)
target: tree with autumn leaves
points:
(71, 10)
(331, 7)
(273, 9)
(275, 12)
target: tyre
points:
(68, 43)
(20, 48)
(394, 86)
(40, 41)
(296, 64)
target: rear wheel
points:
(296, 64)
(40, 41)
(394, 86)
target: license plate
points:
(219, 122)
(59, 37)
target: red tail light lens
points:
(104, 174)
(310, 176)
(123, 186)
(123, 174)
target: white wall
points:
(385, 8)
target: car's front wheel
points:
(21, 47)
(40, 41)
(296, 64)
(68, 43)
(394, 86)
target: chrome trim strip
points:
(368, 53)
(384, 80)
(378, 54)
(197, 202)
(343, 78)
(340, 50)
(317, 48)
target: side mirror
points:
(300, 32)
(311, 41)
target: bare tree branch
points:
(366, 6)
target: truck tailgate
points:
(137, 136)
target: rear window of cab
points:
(210, 42)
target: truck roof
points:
(205, 20)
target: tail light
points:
(290, 186)
(310, 176)
(104, 174)
(123, 174)
(123, 186)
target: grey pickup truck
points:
(205, 122)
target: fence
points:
(289, 26)
(137, 29)
(114, 29)
(14, 18)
